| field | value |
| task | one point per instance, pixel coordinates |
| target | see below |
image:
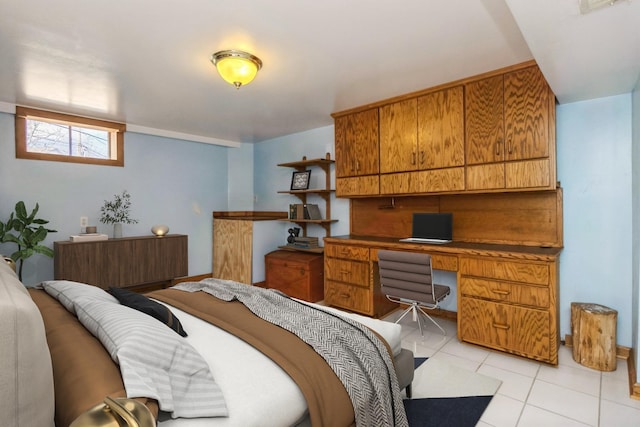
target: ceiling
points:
(146, 63)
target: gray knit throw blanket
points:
(357, 356)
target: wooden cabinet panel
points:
(484, 121)
(233, 250)
(125, 262)
(428, 181)
(398, 136)
(528, 174)
(516, 293)
(357, 253)
(518, 330)
(526, 114)
(353, 272)
(358, 186)
(514, 271)
(441, 129)
(353, 298)
(356, 144)
(485, 177)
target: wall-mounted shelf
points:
(324, 193)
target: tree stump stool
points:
(593, 327)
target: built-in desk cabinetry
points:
(507, 295)
(509, 305)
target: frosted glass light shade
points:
(236, 67)
(159, 230)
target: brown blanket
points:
(83, 372)
(327, 399)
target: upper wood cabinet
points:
(356, 139)
(357, 160)
(488, 133)
(510, 132)
(423, 133)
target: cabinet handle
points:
(344, 295)
(413, 158)
(358, 165)
(422, 157)
(499, 326)
(500, 292)
(498, 142)
(302, 271)
(510, 146)
(343, 272)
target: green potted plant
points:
(117, 212)
(26, 231)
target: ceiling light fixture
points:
(236, 67)
(587, 6)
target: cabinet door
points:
(232, 250)
(398, 136)
(441, 129)
(484, 127)
(356, 139)
(526, 114)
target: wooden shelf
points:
(324, 193)
(292, 248)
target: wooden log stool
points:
(593, 327)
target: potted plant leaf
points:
(26, 231)
(117, 212)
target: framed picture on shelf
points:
(300, 180)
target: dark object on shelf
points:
(293, 233)
(300, 180)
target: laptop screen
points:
(432, 226)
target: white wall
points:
(594, 168)
(178, 183)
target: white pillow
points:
(66, 292)
(155, 362)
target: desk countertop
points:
(453, 248)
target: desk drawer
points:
(518, 330)
(357, 253)
(353, 272)
(514, 271)
(352, 298)
(516, 293)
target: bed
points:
(56, 368)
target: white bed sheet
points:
(255, 388)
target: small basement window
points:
(45, 135)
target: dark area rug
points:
(464, 411)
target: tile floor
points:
(533, 394)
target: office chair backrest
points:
(406, 275)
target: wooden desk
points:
(132, 262)
(507, 295)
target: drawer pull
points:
(345, 295)
(500, 292)
(499, 326)
(343, 272)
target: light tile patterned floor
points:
(533, 394)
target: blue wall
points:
(594, 169)
(171, 182)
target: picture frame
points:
(300, 180)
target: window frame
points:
(24, 113)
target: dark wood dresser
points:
(297, 274)
(143, 262)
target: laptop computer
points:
(433, 228)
